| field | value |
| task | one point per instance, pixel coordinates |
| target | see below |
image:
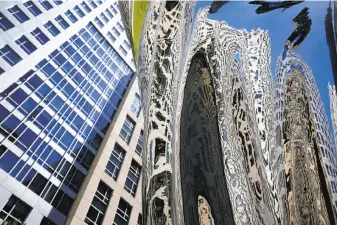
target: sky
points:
(313, 50)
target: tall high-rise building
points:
(70, 120)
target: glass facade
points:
(54, 118)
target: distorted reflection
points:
(251, 127)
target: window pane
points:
(8, 54)
(25, 44)
(71, 16)
(40, 36)
(79, 11)
(32, 8)
(51, 28)
(46, 5)
(62, 22)
(18, 14)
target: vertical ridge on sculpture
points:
(333, 108)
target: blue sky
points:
(313, 49)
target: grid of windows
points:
(32, 8)
(136, 105)
(127, 129)
(9, 55)
(62, 22)
(132, 180)
(25, 44)
(18, 14)
(99, 204)
(79, 12)
(5, 24)
(86, 62)
(40, 36)
(14, 211)
(71, 16)
(99, 22)
(115, 161)
(46, 4)
(51, 28)
(140, 144)
(123, 213)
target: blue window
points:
(85, 7)
(58, 2)
(5, 24)
(46, 5)
(9, 55)
(124, 52)
(104, 18)
(92, 3)
(25, 44)
(99, 22)
(71, 16)
(108, 13)
(8, 161)
(62, 22)
(18, 14)
(120, 27)
(115, 32)
(40, 36)
(51, 28)
(79, 11)
(113, 10)
(99, 2)
(32, 8)
(111, 37)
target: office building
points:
(70, 120)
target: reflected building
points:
(304, 140)
(214, 153)
(70, 120)
(190, 131)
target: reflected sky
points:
(313, 49)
